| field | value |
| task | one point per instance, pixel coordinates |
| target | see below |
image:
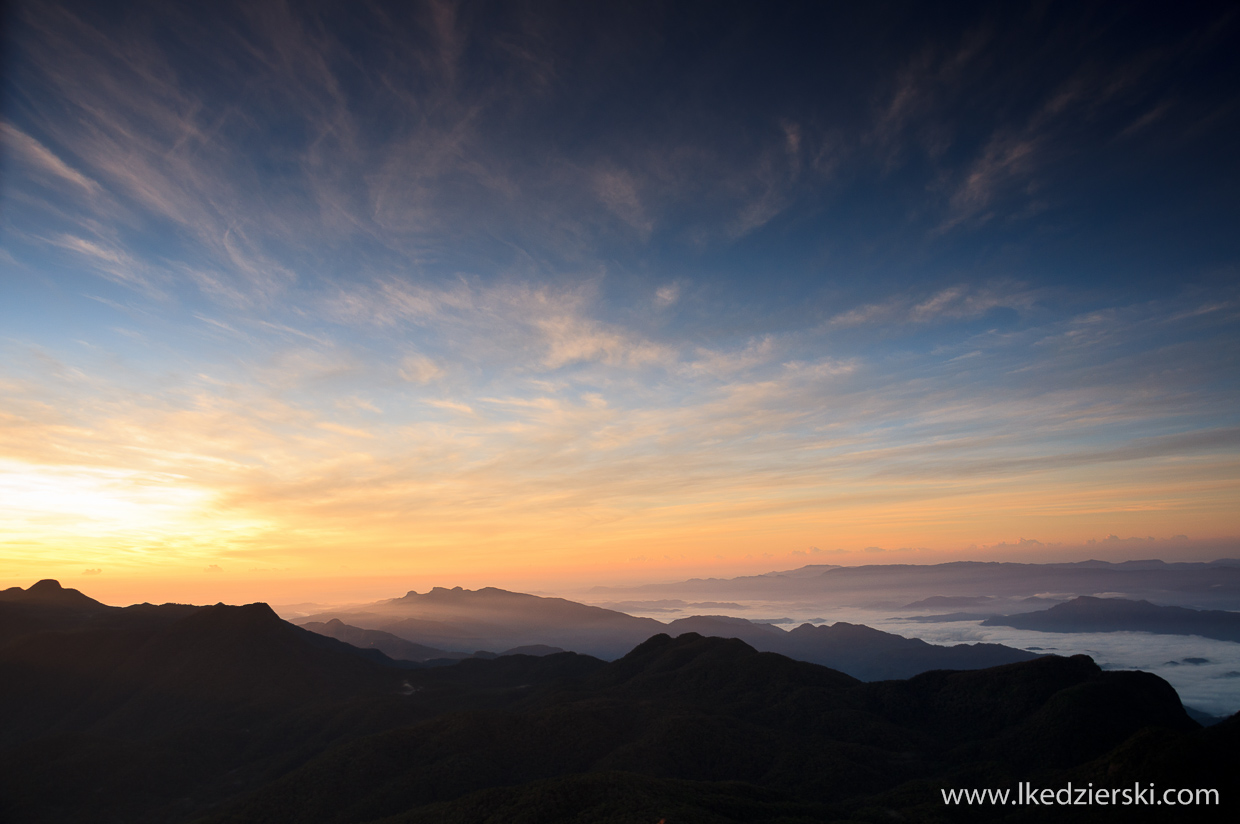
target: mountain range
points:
(218, 714)
(446, 623)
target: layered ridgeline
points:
(961, 586)
(447, 623)
(222, 714)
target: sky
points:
(303, 298)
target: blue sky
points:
(616, 286)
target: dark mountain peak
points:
(1011, 691)
(460, 595)
(47, 585)
(1058, 709)
(49, 592)
(1079, 666)
(249, 619)
(455, 592)
(154, 614)
(662, 652)
(248, 653)
(336, 623)
(701, 671)
(652, 644)
(841, 630)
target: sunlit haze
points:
(335, 301)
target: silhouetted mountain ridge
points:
(176, 713)
(707, 711)
(49, 592)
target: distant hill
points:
(1086, 614)
(496, 619)
(947, 618)
(872, 655)
(398, 648)
(950, 601)
(390, 645)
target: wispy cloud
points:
(503, 322)
(667, 295)
(952, 303)
(34, 153)
(419, 369)
(115, 263)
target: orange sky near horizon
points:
(119, 533)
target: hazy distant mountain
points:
(668, 605)
(947, 618)
(872, 655)
(497, 619)
(1215, 584)
(387, 643)
(399, 649)
(1087, 614)
(950, 601)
